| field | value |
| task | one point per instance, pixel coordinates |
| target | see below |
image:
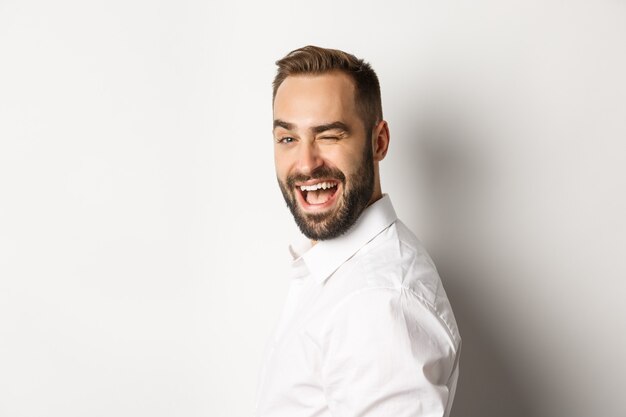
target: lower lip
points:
(317, 207)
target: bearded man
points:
(367, 329)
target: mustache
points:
(318, 174)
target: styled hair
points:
(315, 60)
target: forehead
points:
(315, 98)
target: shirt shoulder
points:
(395, 261)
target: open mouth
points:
(319, 194)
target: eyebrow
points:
(331, 126)
(283, 124)
(316, 129)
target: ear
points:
(380, 140)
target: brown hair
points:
(315, 60)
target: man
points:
(367, 329)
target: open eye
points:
(285, 140)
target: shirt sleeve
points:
(384, 353)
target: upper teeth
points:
(323, 185)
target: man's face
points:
(324, 161)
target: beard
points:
(357, 190)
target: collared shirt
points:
(366, 331)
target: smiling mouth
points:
(318, 194)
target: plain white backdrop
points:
(143, 237)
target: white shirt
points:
(367, 329)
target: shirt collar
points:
(328, 255)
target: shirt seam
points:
(397, 289)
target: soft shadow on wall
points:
(452, 170)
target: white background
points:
(143, 237)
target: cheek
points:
(280, 163)
(349, 164)
(337, 157)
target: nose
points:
(309, 158)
